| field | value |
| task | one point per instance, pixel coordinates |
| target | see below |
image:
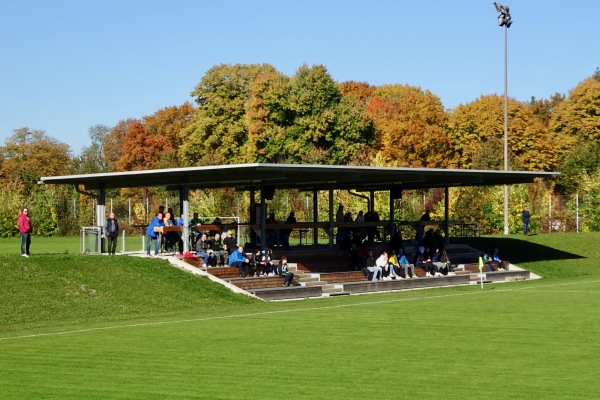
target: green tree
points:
(218, 131)
(305, 119)
(269, 117)
(582, 160)
(92, 160)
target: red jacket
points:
(24, 224)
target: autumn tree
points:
(30, 154)
(218, 131)
(359, 91)
(577, 119)
(472, 125)
(166, 125)
(411, 127)
(543, 108)
(112, 143)
(140, 150)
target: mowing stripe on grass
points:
(147, 324)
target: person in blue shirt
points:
(153, 236)
(239, 260)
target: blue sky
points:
(68, 65)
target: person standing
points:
(25, 228)
(111, 230)
(526, 216)
(152, 235)
(291, 219)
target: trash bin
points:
(90, 239)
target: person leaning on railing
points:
(152, 235)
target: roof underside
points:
(292, 176)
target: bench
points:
(259, 282)
(474, 267)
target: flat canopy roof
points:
(297, 176)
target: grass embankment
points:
(561, 255)
(68, 290)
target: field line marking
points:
(146, 324)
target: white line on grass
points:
(146, 324)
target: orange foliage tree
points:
(411, 127)
(472, 126)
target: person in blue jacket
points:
(153, 236)
(239, 260)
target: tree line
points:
(254, 113)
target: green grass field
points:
(96, 327)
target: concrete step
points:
(333, 289)
(313, 283)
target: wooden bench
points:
(337, 277)
(474, 267)
(258, 282)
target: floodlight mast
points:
(504, 19)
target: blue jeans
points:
(525, 228)
(25, 242)
(377, 272)
(150, 239)
(205, 256)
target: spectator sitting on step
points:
(448, 269)
(394, 265)
(218, 251)
(502, 265)
(203, 249)
(238, 260)
(424, 260)
(405, 265)
(437, 263)
(371, 266)
(258, 267)
(443, 264)
(487, 260)
(264, 263)
(282, 271)
(383, 263)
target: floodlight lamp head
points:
(497, 6)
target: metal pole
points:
(505, 126)
(550, 212)
(577, 211)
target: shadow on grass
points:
(518, 251)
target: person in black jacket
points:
(111, 231)
(282, 271)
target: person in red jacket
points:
(25, 228)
